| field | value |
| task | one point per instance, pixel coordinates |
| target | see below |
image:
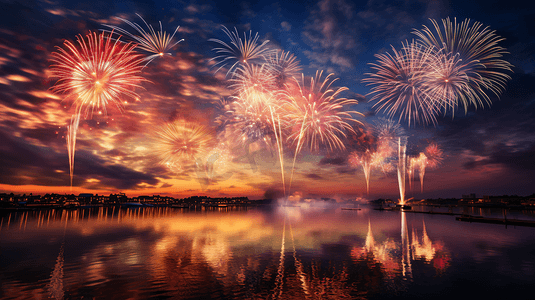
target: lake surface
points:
(316, 251)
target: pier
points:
(504, 221)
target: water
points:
(308, 252)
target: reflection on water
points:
(308, 252)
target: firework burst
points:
(434, 155)
(181, 143)
(476, 57)
(283, 66)
(398, 84)
(253, 83)
(158, 43)
(249, 121)
(238, 52)
(316, 113)
(367, 160)
(98, 72)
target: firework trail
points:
(156, 42)
(402, 161)
(71, 142)
(97, 72)
(367, 160)
(422, 164)
(238, 52)
(388, 132)
(413, 163)
(431, 157)
(180, 143)
(278, 137)
(470, 63)
(398, 84)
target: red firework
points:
(96, 72)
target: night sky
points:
(487, 151)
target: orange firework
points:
(253, 83)
(398, 84)
(472, 63)
(98, 72)
(181, 143)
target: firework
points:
(158, 43)
(181, 142)
(283, 66)
(472, 62)
(398, 84)
(367, 160)
(402, 162)
(248, 120)
(422, 163)
(431, 158)
(238, 52)
(253, 83)
(388, 132)
(71, 142)
(317, 114)
(413, 164)
(98, 72)
(434, 155)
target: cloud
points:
(286, 26)
(314, 176)
(337, 161)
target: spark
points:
(320, 108)
(238, 52)
(477, 59)
(398, 84)
(98, 72)
(159, 43)
(283, 66)
(181, 142)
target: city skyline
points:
(487, 151)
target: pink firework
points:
(471, 63)
(398, 84)
(434, 155)
(316, 113)
(367, 161)
(97, 72)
